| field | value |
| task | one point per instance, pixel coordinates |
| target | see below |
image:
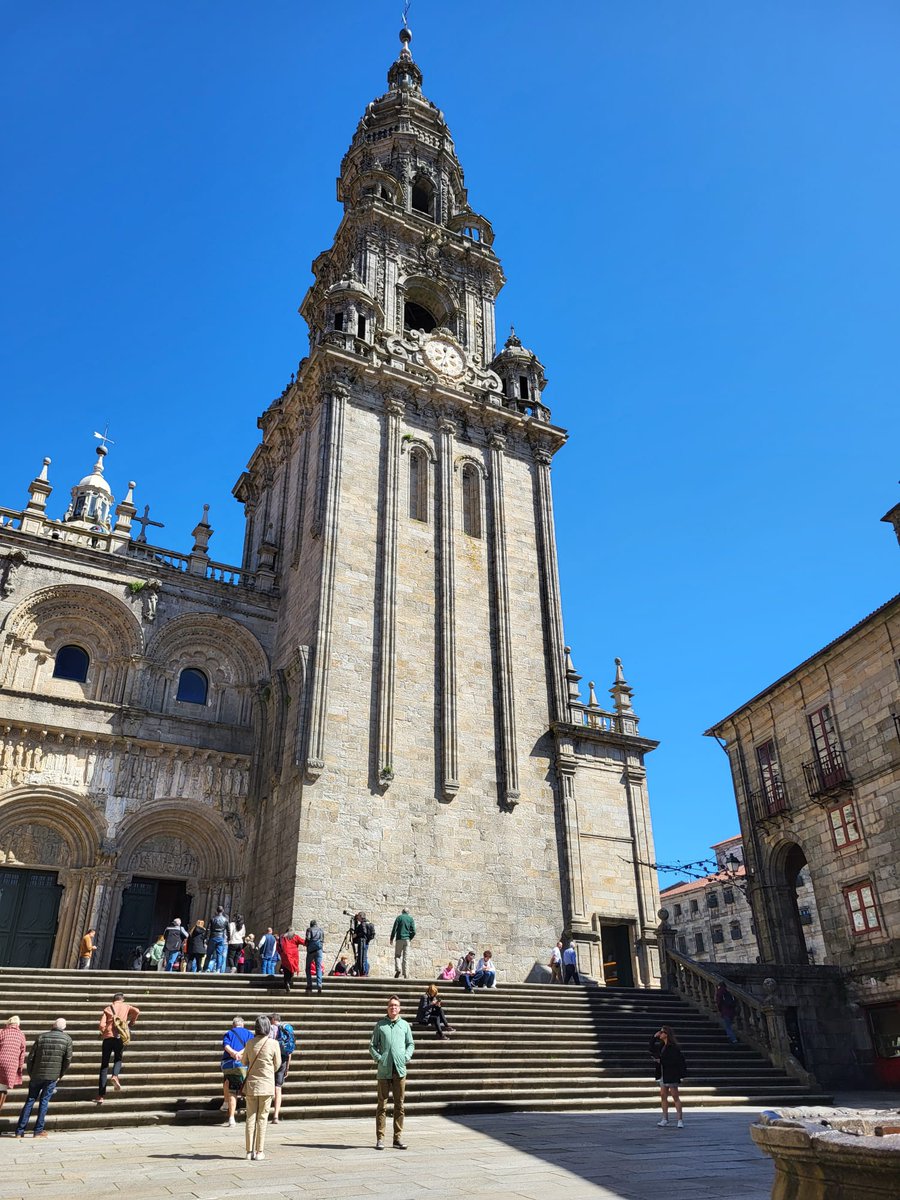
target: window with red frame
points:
(844, 826)
(861, 907)
(770, 777)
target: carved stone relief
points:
(164, 856)
(33, 846)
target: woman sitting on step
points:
(431, 1012)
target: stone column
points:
(334, 408)
(566, 767)
(447, 608)
(500, 572)
(645, 880)
(73, 919)
(550, 584)
(107, 904)
(388, 589)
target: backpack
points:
(286, 1039)
(122, 1030)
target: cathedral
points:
(376, 708)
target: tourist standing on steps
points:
(174, 937)
(727, 1006)
(289, 954)
(363, 933)
(402, 933)
(671, 1068)
(196, 948)
(236, 934)
(116, 1022)
(217, 946)
(570, 964)
(315, 952)
(86, 950)
(233, 1069)
(391, 1047)
(48, 1060)
(262, 1058)
(12, 1057)
(283, 1033)
(555, 963)
(267, 946)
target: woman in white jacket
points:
(262, 1058)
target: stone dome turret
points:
(522, 375)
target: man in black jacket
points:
(48, 1060)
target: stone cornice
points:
(565, 732)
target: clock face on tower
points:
(444, 357)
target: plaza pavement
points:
(509, 1156)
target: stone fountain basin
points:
(832, 1153)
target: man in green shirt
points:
(402, 934)
(391, 1047)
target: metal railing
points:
(769, 801)
(826, 773)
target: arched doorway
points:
(787, 865)
(177, 859)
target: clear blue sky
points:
(696, 205)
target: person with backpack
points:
(216, 947)
(315, 952)
(289, 954)
(363, 933)
(727, 1006)
(116, 1023)
(174, 937)
(283, 1033)
(670, 1068)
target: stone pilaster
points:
(329, 498)
(447, 576)
(500, 590)
(550, 585)
(388, 589)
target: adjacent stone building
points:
(712, 917)
(815, 760)
(376, 708)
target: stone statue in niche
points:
(164, 856)
(33, 846)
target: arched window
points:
(423, 197)
(71, 663)
(416, 316)
(418, 485)
(193, 686)
(471, 495)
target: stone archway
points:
(786, 861)
(51, 832)
(177, 840)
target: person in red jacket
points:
(288, 945)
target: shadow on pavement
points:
(630, 1157)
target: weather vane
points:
(102, 437)
(406, 4)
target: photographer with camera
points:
(363, 933)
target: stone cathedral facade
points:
(377, 707)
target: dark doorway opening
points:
(416, 316)
(148, 906)
(29, 907)
(616, 946)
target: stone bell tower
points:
(401, 499)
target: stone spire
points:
(621, 692)
(892, 516)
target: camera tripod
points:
(348, 944)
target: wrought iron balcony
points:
(769, 801)
(827, 773)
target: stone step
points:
(518, 1047)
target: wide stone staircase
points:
(518, 1046)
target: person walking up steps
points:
(217, 946)
(116, 1023)
(315, 952)
(289, 954)
(402, 933)
(12, 1057)
(233, 1070)
(283, 1033)
(391, 1047)
(48, 1060)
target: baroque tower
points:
(422, 740)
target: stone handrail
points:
(165, 558)
(598, 718)
(8, 516)
(759, 1023)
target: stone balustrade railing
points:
(758, 1022)
(600, 719)
(10, 516)
(166, 558)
